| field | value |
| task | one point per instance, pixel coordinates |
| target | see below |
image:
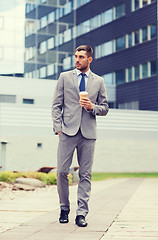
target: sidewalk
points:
(119, 209)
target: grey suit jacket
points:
(68, 116)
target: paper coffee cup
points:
(83, 94)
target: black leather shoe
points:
(80, 221)
(64, 216)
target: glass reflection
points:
(12, 41)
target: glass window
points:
(38, 24)
(153, 31)
(43, 1)
(43, 21)
(51, 17)
(108, 16)
(67, 63)
(30, 27)
(108, 78)
(7, 98)
(42, 72)
(43, 47)
(153, 68)
(129, 39)
(39, 145)
(57, 14)
(129, 74)
(79, 3)
(74, 4)
(136, 72)
(59, 39)
(67, 35)
(50, 69)
(28, 101)
(120, 10)
(136, 37)
(72, 61)
(107, 48)
(98, 52)
(144, 70)
(93, 23)
(120, 43)
(29, 7)
(85, 26)
(61, 12)
(85, 1)
(79, 30)
(74, 29)
(98, 18)
(144, 34)
(67, 8)
(120, 76)
(145, 2)
(51, 43)
(26, 54)
(136, 4)
(34, 74)
(129, 105)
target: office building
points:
(122, 33)
(12, 37)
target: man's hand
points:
(86, 103)
(59, 133)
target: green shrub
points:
(9, 177)
(47, 178)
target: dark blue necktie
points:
(82, 83)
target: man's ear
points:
(90, 59)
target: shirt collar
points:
(79, 72)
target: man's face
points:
(82, 61)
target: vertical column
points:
(3, 156)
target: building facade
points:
(126, 139)
(122, 33)
(12, 40)
(38, 39)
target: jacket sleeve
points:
(101, 107)
(57, 105)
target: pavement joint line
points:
(22, 211)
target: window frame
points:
(28, 101)
(120, 82)
(119, 39)
(122, 13)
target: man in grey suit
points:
(74, 120)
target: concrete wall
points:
(127, 139)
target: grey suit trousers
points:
(85, 153)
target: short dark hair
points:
(86, 48)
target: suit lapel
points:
(75, 80)
(90, 80)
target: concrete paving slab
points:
(139, 217)
(119, 209)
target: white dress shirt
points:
(79, 76)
